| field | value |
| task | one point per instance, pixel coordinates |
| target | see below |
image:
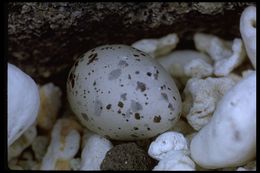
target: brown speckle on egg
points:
(114, 74)
(136, 106)
(165, 97)
(170, 107)
(71, 79)
(149, 74)
(108, 106)
(137, 116)
(141, 86)
(120, 104)
(85, 116)
(157, 119)
(92, 58)
(98, 105)
(123, 63)
(123, 96)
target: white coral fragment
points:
(22, 142)
(75, 164)
(171, 150)
(50, 96)
(94, 151)
(39, 147)
(187, 63)
(248, 32)
(226, 55)
(157, 47)
(175, 161)
(166, 142)
(26, 161)
(65, 143)
(201, 97)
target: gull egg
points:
(122, 93)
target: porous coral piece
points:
(65, 143)
(231, 130)
(248, 32)
(26, 160)
(39, 147)
(22, 142)
(198, 68)
(157, 47)
(166, 142)
(226, 55)
(200, 98)
(175, 161)
(50, 103)
(75, 164)
(94, 150)
(224, 66)
(187, 63)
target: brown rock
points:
(45, 38)
(127, 156)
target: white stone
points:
(94, 151)
(23, 102)
(175, 161)
(248, 32)
(166, 142)
(229, 139)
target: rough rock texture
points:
(45, 38)
(127, 156)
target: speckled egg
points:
(122, 93)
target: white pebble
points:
(248, 32)
(166, 142)
(23, 102)
(94, 151)
(229, 139)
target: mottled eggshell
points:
(122, 93)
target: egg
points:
(122, 93)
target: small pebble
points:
(127, 156)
